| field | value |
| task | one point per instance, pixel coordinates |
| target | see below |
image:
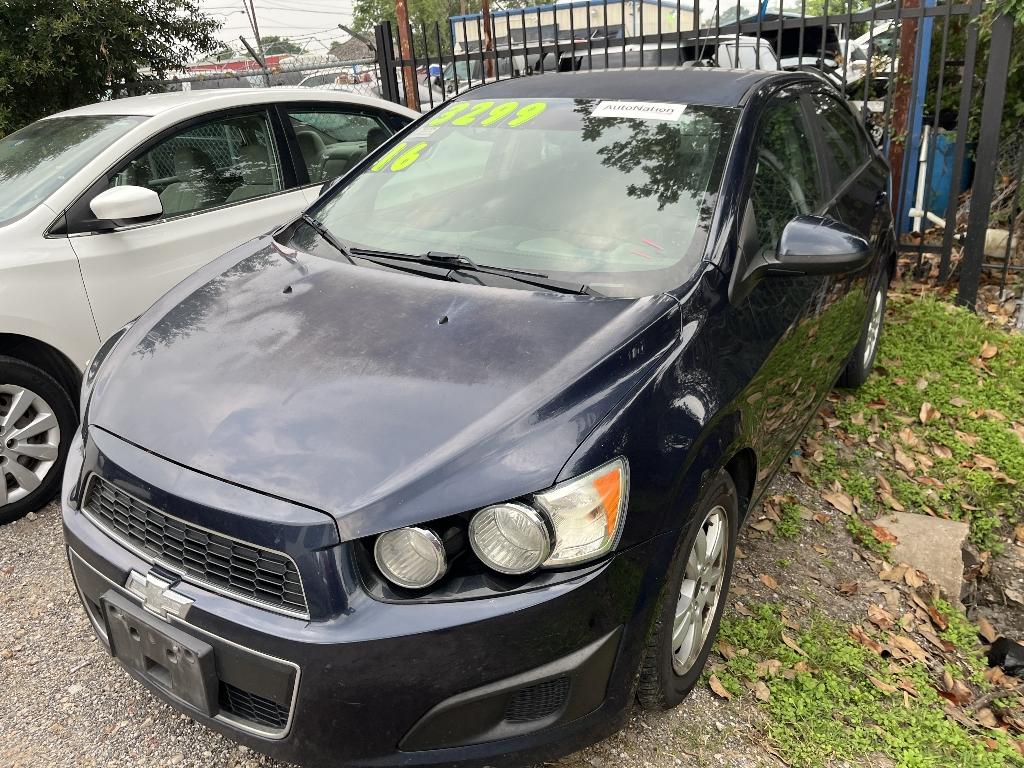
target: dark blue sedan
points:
(450, 469)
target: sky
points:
(310, 23)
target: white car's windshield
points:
(617, 195)
(39, 158)
(726, 11)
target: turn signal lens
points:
(410, 557)
(510, 538)
(587, 513)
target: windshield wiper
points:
(458, 263)
(326, 236)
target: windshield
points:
(615, 195)
(36, 160)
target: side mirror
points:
(812, 245)
(809, 245)
(120, 206)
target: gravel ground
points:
(64, 702)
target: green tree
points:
(275, 45)
(57, 54)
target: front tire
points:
(862, 361)
(692, 601)
(37, 422)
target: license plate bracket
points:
(161, 654)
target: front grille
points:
(537, 701)
(252, 707)
(262, 575)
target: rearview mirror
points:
(812, 245)
(809, 245)
(121, 206)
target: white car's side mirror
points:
(126, 205)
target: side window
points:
(787, 181)
(845, 143)
(332, 142)
(222, 161)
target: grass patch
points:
(823, 707)
(965, 459)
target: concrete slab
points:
(931, 545)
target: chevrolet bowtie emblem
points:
(157, 596)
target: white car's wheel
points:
(37, 421)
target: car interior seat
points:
(312, 148)
(257, 174)
(196, 186)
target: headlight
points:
(587, 513)
(410, 557)
(510, 538)
(93, 367)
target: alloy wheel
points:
(701, 590)
(874, 326)
(29, 442)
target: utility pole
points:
(412, 95)
(250, 12)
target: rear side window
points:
(846, 146)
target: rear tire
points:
(674, 658)
(37, 422)
(862, 361)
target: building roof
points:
(683, 85)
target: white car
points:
(105, 207)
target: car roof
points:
(709, 86)
(207, 100)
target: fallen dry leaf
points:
(764, 525)
(894, 573)
(904, 459)
(883, 687)
(942, 452)
(718, 688)
(908, 437)
(847, 587)
(881, 534)
(792, 644)
(987, 631)
(914, 578)
(880, 617)
(910, 646)
(890, 501)
(986, 717)
(761, 691)
(727, 650)
(1018, 534)
(840, 501)
(928, 412)
(768, 668)
(862, 637)
(820, 549)
(988, 351)
(769, 582)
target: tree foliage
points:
(58, 54)
(273, 44)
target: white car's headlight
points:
(587, 513)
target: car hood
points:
(379, 397)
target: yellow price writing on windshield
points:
(489, 113)
(400, 156)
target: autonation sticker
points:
(639, 110)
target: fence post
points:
(988, 147)
(385, 54)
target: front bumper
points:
(514, 679)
